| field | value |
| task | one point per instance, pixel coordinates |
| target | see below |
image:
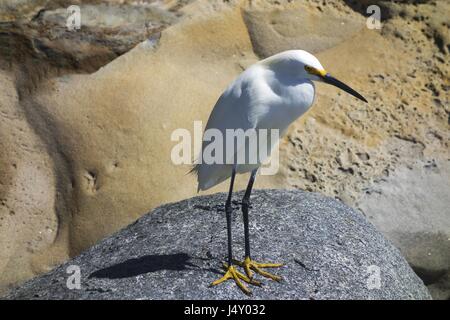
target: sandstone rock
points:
(28, 222)
(275, 28)
(107, 30)
(175, 252)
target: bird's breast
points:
(297, 99)
(289, 104)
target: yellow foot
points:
(232, 273)
(250, 265)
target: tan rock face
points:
(28, 223)
(294, 24)
(97, 146)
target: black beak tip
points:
(335, 82)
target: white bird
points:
(270, 94)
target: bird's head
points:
(304, 65)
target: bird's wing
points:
(237, 108)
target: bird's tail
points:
(194, 170)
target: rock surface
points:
(38, 30)
(328, 249)
(396, 206)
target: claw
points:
(250, 265)
(232, 273)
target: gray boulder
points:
(330, 251)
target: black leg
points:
(228, 211)
(245, 207)
(248, 265)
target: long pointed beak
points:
(327, 78)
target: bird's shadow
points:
(147, 264)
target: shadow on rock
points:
(145, 264)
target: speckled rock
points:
(330, 251)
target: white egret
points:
(270, 94)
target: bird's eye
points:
(308, 68)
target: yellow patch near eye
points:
(315, 71)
